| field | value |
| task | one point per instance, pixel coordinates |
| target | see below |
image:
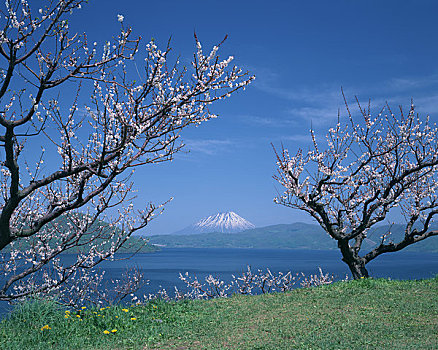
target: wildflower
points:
(133, 318)
(83, 307)
(106, 332)
(113, 330)
(45, 327)
(101, 309)
(67, 311)
(155, 307)
(120, 18)
(125, 310)
(66, 316)
(78, 316)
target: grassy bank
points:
(365, 314)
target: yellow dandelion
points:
(45, 327)
(113, 330)
(155, 307)
(133, 318)
(83, 307)
(106, 332)
(101, 309)
(78, 316)
(94, 312)
(125, 310)
(66, 316)
(99, 315)
(67, 311)
(117, 316)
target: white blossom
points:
(113, 125)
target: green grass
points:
(365, 314)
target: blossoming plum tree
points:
(367, 169)
(91, 150)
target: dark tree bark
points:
(355, 263)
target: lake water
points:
(162, 268)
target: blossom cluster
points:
(85, 149)
(248, 283)
(366, 169)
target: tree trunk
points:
(353, 260)
(4, 239)
(357, 269)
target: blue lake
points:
(162, 268)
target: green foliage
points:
(368, 313)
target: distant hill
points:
(428, 245)
(292, 236)
(285, 236)
(134, 244)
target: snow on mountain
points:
(228, 222)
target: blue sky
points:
(301, 53)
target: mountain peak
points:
(226, 222)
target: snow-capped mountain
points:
(228, 222)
